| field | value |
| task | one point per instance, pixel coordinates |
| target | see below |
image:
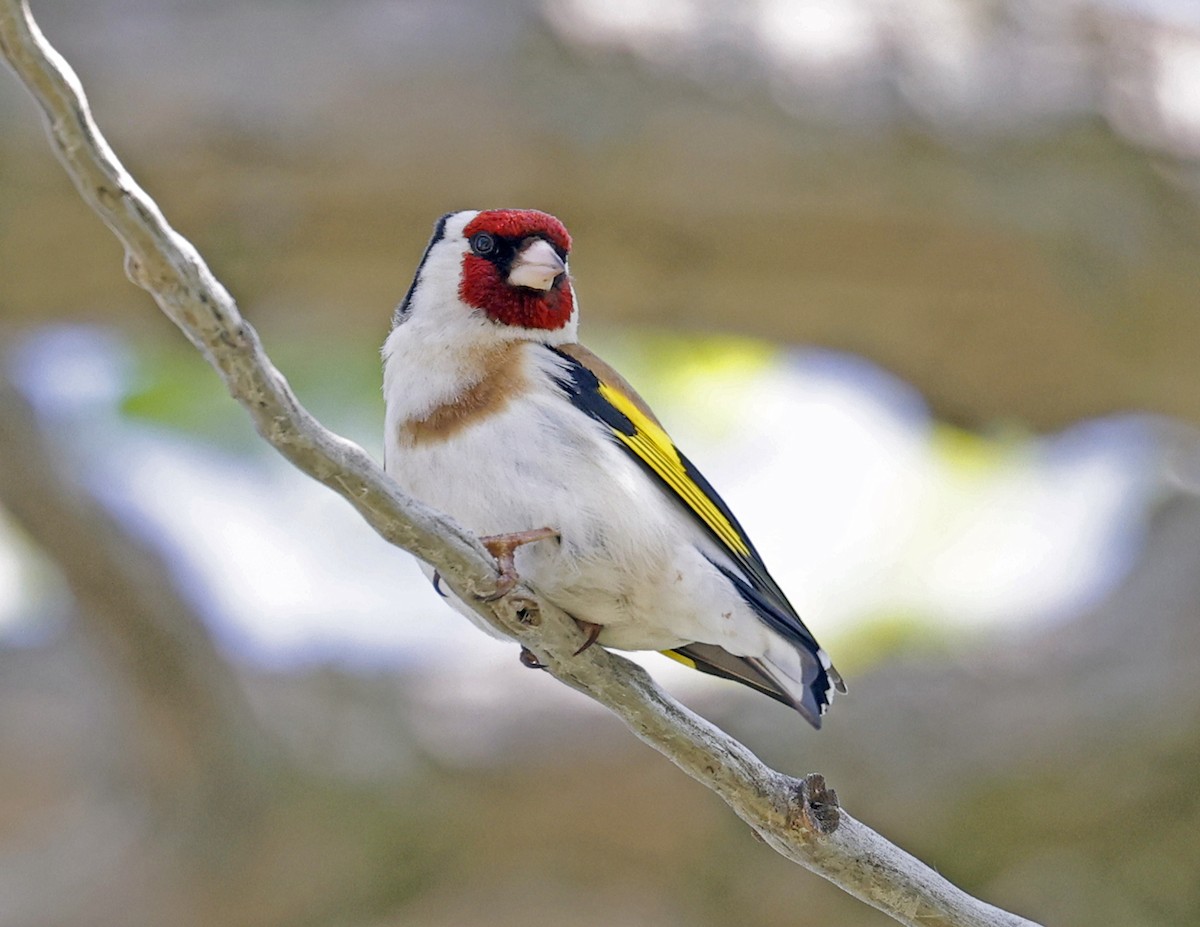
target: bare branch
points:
(799, 818)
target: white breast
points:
(629, 558)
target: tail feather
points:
(801, 671)
(810, 698)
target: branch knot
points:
(815, 807)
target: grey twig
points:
(799, 818)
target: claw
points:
(529, 659)
(593, 632)
(503, 547)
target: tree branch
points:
(799, 818)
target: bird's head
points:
(506, 266)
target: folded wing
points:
(596, 389)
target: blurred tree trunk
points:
(200, 748)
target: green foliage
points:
(338, 379)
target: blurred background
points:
(914, 282)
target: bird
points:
(496, 415)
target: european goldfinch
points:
(497, 416)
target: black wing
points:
(612, 403)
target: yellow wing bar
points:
(653, 446)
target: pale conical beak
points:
(537, 265)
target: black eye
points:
(483, 244)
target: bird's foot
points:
(503, 547)
(592, 631)
(529, 658)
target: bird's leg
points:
(529, 658)
(503, 547)
(591, 630)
